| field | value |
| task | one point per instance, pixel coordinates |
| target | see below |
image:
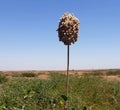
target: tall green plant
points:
(68, 33)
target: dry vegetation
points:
(110, 74)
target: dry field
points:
(45, 74)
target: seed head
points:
(68, 29)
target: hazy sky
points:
(29, 41)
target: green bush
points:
(28, 74)
(113, 72)
(93, 73)
(3, 78)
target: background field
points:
(45, 90)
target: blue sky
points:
(29, 41)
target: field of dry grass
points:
(44, 74)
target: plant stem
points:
(67, 79)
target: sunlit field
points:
(35, 90)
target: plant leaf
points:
(64, 97)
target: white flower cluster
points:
(68, 29)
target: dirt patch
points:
(43, 76)
(112, 77)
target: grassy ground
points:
(27, 91)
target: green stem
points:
(67, 80)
